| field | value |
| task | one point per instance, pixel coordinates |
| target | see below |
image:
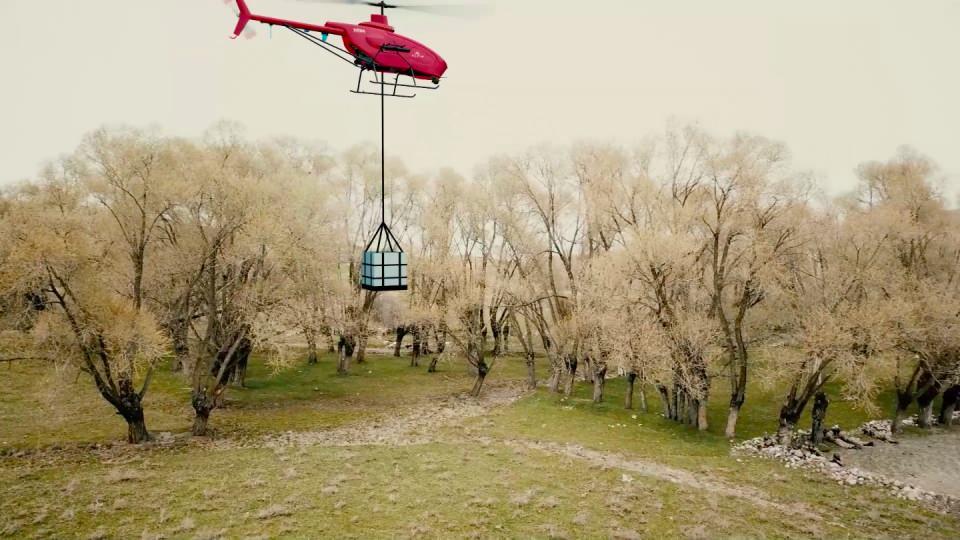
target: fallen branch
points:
(834, 437)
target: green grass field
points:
(507, 472)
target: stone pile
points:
(879, 429)
(804, 456)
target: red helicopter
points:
(371, 46)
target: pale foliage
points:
(674, 260)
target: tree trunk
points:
(643, 397)
(361, 348)
(737, 397)
(345, 350)
(665, 397)
(917, 384)
(556, 370)
(137, 430)
(441, 338)
(679, 404)
(331, 342)
(505, 339)
(495, 330)
(482, 370)
(417, 348)
(311, 337)
(181, 347)
(789, 416)
(949, 405)
(599, 380)
(202, 406)
(432, 368)
(698, 394)
(819, 413)
(130, 407)
(925, 418)
(200, 420)
(925, 402)
(343, 363)
(903, 403)
(553, 383)
(702, 422)
(733, 414)
(801, 391)
(785, 431)
(232, 358)
(571, 364)
(738, 377)
(312, 357)
(587, 369)
(401, 332)
(136, 425)
(238, 374)
(628, 397)
(531, 370)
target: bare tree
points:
(747, 224)
(58, 249)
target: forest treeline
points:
(673, 263)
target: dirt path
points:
(660, 471)
(930, 462)
(409, 425)
(422, 424)
(416, 425)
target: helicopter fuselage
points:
(377, 47)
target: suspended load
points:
(384, 265)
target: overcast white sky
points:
(839, 81)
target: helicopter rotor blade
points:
(467, 10)
(452, 10)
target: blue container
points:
(384, 271)
(384, 265)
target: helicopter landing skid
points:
(390, 88)
(414, 85)
(387, 88)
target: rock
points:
(808, 458)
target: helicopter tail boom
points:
(246, 16)
(244, 19)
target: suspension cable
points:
(383, 153)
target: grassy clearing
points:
(427, 490)
(458, 486)
(41, 407)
